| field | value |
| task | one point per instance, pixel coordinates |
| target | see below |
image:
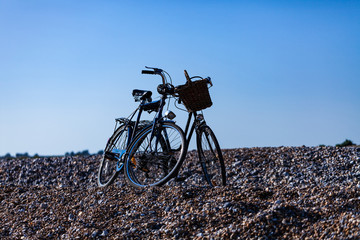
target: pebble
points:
(104, 233)
(94, 234)
(71, 217)
(200, 235)
(43, 205)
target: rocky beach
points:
(272, 193)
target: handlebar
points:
(158, 71)
(155, 71)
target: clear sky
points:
(285, 73)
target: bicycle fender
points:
(166, 121)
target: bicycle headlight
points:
(170, 115)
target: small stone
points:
(227, 204)
(43, 205)
(105, 233)
(71, 217)
(237, 164)
(94, 234)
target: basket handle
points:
(187, 77)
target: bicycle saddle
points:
(141, 95)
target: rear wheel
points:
(155, 156)
(210, 156)
(112, 160)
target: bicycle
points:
(155, 149)
(195, 97)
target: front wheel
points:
(155, 156)
(210, 156)
(112, 160)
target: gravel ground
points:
(272, 193)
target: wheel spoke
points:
(112, 161)
(211, 158)
(155, 164)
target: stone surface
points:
(272, 193)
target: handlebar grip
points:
(147, 72)
(208, 79)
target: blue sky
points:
(285, 73)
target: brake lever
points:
(156, 69)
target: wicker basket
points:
(194, 94)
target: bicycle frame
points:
(198, 121)
(132, 127)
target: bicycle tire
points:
(114, 151)
(154, 161)
(210, 156)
